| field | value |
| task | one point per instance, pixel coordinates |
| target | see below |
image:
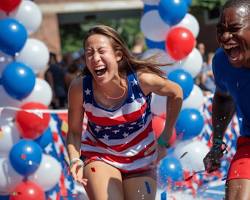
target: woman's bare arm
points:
(75, 118)
(153, 83)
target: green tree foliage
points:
(208, 4)
(72, 35)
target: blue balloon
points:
(148, 8)
(45, 138)
(189, 2)
(25, 157)
(13, 36)
(172, 11)
(155, 45)
(170, 168)
(184, 79)
(189, 124)
(18, 80)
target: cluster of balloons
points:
(170, 32)
(167, 25)
(186, 156)
(23, 162)
(31, 55)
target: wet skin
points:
(233, 35)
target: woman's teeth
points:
(100, 70)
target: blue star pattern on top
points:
(119, 136)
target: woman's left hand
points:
(162, 152)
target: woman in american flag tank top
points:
(119, 147)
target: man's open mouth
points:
(233, 52)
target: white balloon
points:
(191, 23)
(9, 178)
(6, 100)
(4, 60)
(153, 27)
(8, 137)
(195, 151)
(168, 69)
(161, 56)
(151, 2)
(48, 173)
(158, 104)
(193, 63)
(7, 116)
(195, 99)
(34, 54)
(151, 52)
(29, 14)
(41, 93)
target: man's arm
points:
(222, 113)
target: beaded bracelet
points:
(74, 160)
(217, 144)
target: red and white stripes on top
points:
(122, 137)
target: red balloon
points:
(9, 5)
(32, 124)
(163, 115)
(180, 42)
(158, 124)
(27, 191)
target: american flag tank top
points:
(121, 136)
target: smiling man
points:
(231, 67)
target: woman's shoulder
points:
(75, 94)
(148, 81)
(146, 77)
(76, 84)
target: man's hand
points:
(212, 160)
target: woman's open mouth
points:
(99, 71)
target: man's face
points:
(233, 34)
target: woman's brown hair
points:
(129, 61)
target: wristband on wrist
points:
(162, 143)
(218, 143)
(74, 160)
